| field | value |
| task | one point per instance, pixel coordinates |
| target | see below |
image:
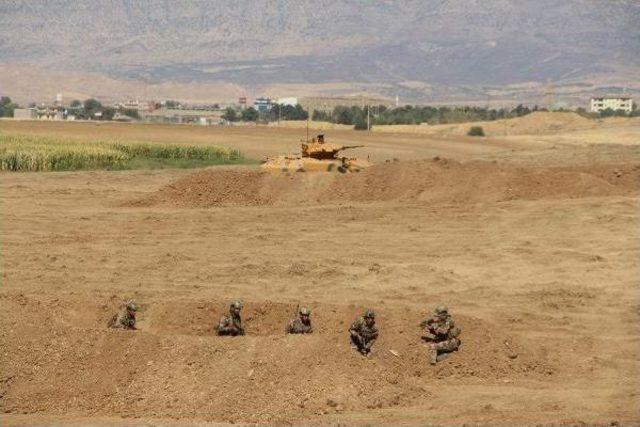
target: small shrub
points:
(476, 131)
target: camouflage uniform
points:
(363, 332)
(125, 318)
(441, 333)
(301, 324)
(232, 323)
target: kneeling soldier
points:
(125, 318)
(441, 333)
(302, 323)
(364, 332)
(232, 323)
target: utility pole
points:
(308, 124)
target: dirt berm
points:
(437, 181)
(174, 366)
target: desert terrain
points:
(528, 236)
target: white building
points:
(623, 103)
(25, 113)
(263, 105)
(292, 101)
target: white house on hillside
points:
(623, 103)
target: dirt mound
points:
(446, 181)
(539, 122)
(437, 181)
(56, 354)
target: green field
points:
(36, 153)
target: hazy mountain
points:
(422, 49)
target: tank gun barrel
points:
(346, 147)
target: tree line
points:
(92, 108)
(359, 117)
(276, 113)
(415, 115)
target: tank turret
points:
(316, 155)
(317, 148)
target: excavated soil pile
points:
(536, 123)
(438, 180)
(56, 353)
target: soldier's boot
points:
(433, 355)
(443, 356)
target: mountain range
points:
(420, 50)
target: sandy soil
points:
(548, 125)
(535, 254)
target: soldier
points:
(364, 332)
(441, 333)
(232, 324)
(125, 318)
(302, 322)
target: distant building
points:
(134, 104)
(25, 113)
(263, 105)
(623, 103)
(178, 115)
(292, 101)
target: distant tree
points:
(608, 112)
(320, 116)
(298, 113)
(343, 115)
(289, 112)
(108, 113)
(361, 124)
(520, 111)
(476, 131)
(7, 107)
(248, 115)
(230, 114)
(92, 105)
(76, 103)
(133, 113)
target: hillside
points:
(440, 50)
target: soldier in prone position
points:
(232, 323)
(363, 332)
(301, 324)
(441, 333)
(125, 318)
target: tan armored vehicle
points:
(316, 155)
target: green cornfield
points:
(32, 153)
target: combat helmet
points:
(369, 313)
(131, 306)
(304, 311)
(441, 310)
(237, 304)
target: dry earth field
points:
(532, 241)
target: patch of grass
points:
(32, 153)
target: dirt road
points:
(543, 283)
